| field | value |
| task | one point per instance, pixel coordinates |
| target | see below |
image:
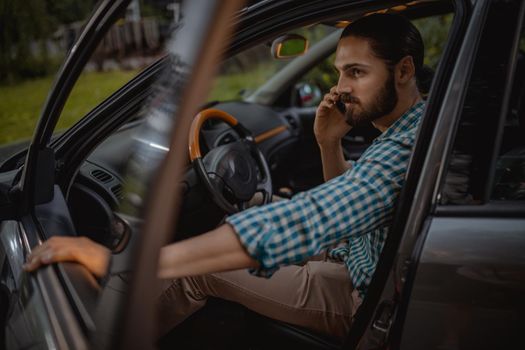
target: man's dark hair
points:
(392, 37)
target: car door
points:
(53, 307)
(465, 274)
(194, 50)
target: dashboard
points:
(99, 185)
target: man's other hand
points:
(93, 256)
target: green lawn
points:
(21, 104)
(229, 86)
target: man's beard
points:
(384, 102)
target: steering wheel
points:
(234, 172)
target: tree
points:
(25, 27)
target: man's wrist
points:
(329, 145)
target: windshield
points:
(243, 73)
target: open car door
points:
(52, 307)
(154, 173)
(63, 306)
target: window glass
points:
(468, 176)
(509, 181)
(243, 73)
(35, 38)
(434, 31)
(134, 41)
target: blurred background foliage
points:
(25, 27)
(35, 36)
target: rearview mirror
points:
(289, 45)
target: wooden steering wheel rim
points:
(196, 125)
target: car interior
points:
(274, 114)
(279, 114)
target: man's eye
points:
(356, 72)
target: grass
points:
(230, 86)
(21, 104)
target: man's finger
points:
(37, 252)
(57, 255)
(325, 105)
(39, 248)
(32, 264)
(46, 257)
(329, 98)
(44, 254)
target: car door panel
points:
(11, 254)
(29, 327)
(20, 303)
(37, 310)
(469, 285)
(82, 287)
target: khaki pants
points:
(317, 295)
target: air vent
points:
(118, 191)
(101, 175)
(292, 121)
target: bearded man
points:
(327, 240)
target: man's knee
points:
(179, 299)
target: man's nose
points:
(343, 86)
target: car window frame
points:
(488, 206)
(37, 180)
(511, 76)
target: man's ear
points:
(405, 70)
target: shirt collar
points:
(407, 121)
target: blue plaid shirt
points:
(355, 208)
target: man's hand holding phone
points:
(330, 125)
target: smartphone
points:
(340, 106)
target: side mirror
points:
(289, 46)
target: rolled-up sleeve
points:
(353, 204)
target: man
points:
(378, 59)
